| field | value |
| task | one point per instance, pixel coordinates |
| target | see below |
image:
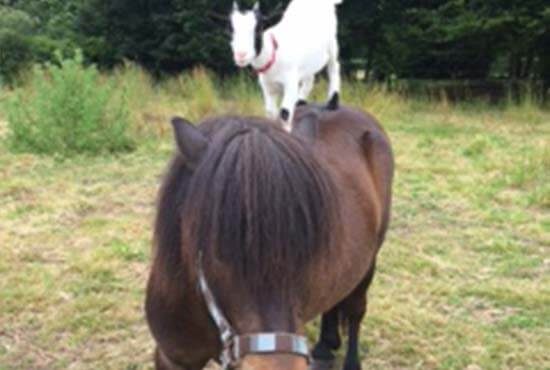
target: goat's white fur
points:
(307, 42)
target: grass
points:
(463, 279)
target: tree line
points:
(427, 39)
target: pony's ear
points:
(235, 6)
(256, 8)
(192, 144)
(306, 125)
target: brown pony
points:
(283, 227)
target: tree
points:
(164, 35)
(459, 39)
(31, 31)
(16, 29)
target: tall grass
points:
(67, 109)
(532, 172)
(147, 104)
(527, 107)
(71, 108)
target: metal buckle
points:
(270, 343)
(228, 357)
(260, 343)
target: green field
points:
(463, 279)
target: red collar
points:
(271, 61)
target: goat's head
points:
(247, 34)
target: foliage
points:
(16, 51)
(436, 39)
(68, 109)
(164, 36)
(448, 38)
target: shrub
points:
(67, 109)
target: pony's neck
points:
(266, 53)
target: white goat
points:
(288, 55)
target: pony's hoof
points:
(322, 364)
(352, 366)
(334, 102)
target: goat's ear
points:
(256, 7)
(192, 144)
(306, 125)
(235, 6)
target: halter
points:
(273, 59)
(236, 347)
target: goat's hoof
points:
(301, 102)
(334, 102)
(284, 115)
(285, 119)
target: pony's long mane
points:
(259, 202)
(167, 235)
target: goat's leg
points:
(289, 102)
(270, 98)
(335, 82)
(305, 89)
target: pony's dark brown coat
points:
(289, 226)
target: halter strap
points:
(236, 347)
(266, 67)
(226, 331)
(269, 343)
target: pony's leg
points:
(355, 307)
(270, 98)
(335, 82)
(305, 89)
(289, 102)
(329, 340)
